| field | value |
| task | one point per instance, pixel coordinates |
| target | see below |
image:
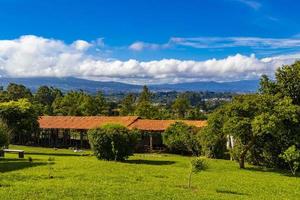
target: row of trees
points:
(52, 101)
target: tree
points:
(15, 92)
(292, 157)
(286, 83)
(21, 118)
(249, 117)
(144, 107)
(145, 95)
(181, 106)
(45, 96)
(181, 138)
(101, 105)
(127, 105)
(78, 103)
(112, 142)
(212, 137)
(197, 165)
(4, 135)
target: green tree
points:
(127, 105)
(197, 165)
(212, 137)
(286, 83)
(292, 157)
(249, 117)
(101, 105)
(4, 135)
(45, 97)
(181, 106)
(15, 92)
(145, 95)
(181, 138)
(21, 119)
(145, 108)
(112, 142)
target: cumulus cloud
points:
(31, 56)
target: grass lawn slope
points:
(143, 176)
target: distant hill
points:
(71, 83)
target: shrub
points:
(112, 142)
(4, 135)
(292, 157)
(197, 165)
(181, 138)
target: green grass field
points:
(143, 176)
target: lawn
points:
(143, 176)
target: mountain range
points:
(72, 83)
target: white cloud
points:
(81, 45)
(227, 42)
(30, 56)
(255, 43)
(250, 3)
(139, 46)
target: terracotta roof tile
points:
(89, 122)
(161, 125)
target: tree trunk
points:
(244, 153)
(242, 162)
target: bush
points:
(112, 142)
(4, 135)
(292, 157)
(181, 138)
(198, 165)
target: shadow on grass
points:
(229, 192)
(7, 166)
(150, 162)
(16, 159)
(277, 171)
(55, 154)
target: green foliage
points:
(212, 138)
(197, 165)
(127, 105)
(21, 118)
(4, 135)
(112, 142)
(292, 157)
(181, 138)
(15, 92)
(181, 106)
(45, 97)
(249, 117)
(145, 95)
(80, 104)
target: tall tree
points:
(127, 106)
(145, 95)
(181, 106)
(15, 92)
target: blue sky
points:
(155, 30)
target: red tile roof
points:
(161, 125)
(90, 122)
(75, 122)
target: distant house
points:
(70, 131)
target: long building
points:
(71, 131)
